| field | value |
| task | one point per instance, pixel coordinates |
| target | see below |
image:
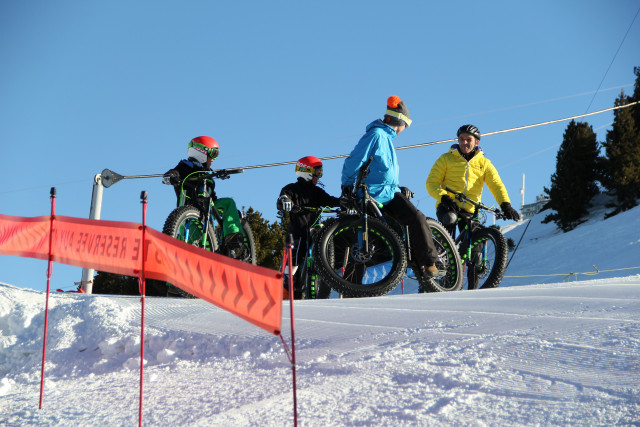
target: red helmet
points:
(203, 147)
(308, 167)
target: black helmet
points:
(470, 129)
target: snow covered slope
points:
(542, 354)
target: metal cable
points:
(613, 59)
(426, 144)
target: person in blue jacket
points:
(383, 181)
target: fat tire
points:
(331, 245)
(449, 261)
(250, 241)
(174, 227)
(315, 286)
(499, 264)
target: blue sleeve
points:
(357, 158)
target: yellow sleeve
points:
(495, 184)
(435, 180)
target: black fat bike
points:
(310, 283)
(361, 254)
(483, 250)
(200, 223)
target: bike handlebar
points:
(363, 171)
(216, 174)
(301, 209)
(463, 198)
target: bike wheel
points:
(448, 264)
(487, 272)
(244, 251)
(185, 223)
(247, 255)
(314, 285)
(343, 262)
(250, 242)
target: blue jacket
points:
(384, 175)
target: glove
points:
(447, 203)
(509, 212)
(346, 198)
(171, 178)
(406, 192)
(285, 203)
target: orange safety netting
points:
(248, 291)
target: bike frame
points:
(466, 236)
(211, 210)
(311, 238)
(367, 201)
(470, 226)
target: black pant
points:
(422, 247)
(476, 252)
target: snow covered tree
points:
(573, 185)
(621, 171)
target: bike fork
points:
(362, 234)
(205, 227)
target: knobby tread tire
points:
(449, 261)
(343, 234)
(250, 241)
(172, 227)
(499, 266)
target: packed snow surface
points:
(527, 353)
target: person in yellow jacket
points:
(465, 169)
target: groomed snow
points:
(561, 353)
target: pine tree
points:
(573, 185)
(622, 147)
(117, 284)
(636, 97)
(269, 239)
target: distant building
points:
(531, 209)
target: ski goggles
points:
(317, 171)
(211, 152)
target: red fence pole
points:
(46, 309)
(287, 260)
(142, 286)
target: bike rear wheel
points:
(186, 223)
(352, 270)
(448, 264)
(314, 286)
(487, 271)
(246, 251)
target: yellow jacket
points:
(454, 171)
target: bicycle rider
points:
(464, 168)
(383, 180)
(201, 152)
(303, 193)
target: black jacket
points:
(184, 168)
(304, 193)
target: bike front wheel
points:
(448, 264)
(358, 261)
(488, 262)
(186, 223)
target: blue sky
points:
(123, 85)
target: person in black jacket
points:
(304, 192)
(202, 151)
